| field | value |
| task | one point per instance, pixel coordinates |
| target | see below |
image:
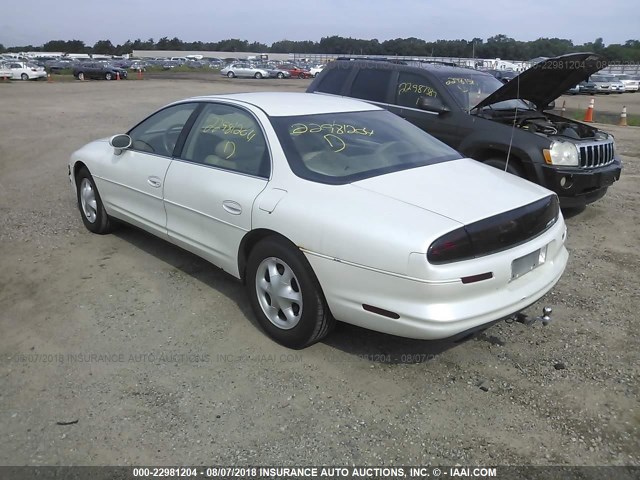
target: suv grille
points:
(596, 154)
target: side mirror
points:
(432, 104)
(120, 142)
(551, 106)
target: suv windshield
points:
(339, 148)
(470, 88)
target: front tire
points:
(231, 75)
(258, 75)
(24, 76)
(280, 75)
(108, 76)
(94, 216)
(285, 294)
(81, 76)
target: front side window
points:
(411, 87)
(341, 148)
(159, 133)
(470, 88)
(228, 137)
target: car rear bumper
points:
(412, 308)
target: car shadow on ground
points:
(360, 342)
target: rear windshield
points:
(341, 148)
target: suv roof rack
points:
(412, 62)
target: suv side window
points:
(334, 80)
(371, 84)
(411, 87)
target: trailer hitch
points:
(525, 319)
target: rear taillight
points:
(452, 247)
(495, 234)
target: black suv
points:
(506, 126)
(98, 71)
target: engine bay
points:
(544, 124)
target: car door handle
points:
(155, 182)
(234, 208)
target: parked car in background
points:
(616, 86)
(57, 65)
(98, 71)
(274, 72)
(575, 90)
(244, 70)
(5, 71)
(630, 83)
(314, 71)
(507, 126)
(26, 71)
(597, 84)
(274, 188)
(503, 75)
(295, 71)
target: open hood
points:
(547, 80)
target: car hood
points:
(462, 190)
(547, 80)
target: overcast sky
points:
(24, 22)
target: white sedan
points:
(329, 208)
(26, 71)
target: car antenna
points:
(513, 125)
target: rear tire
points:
(501, 163)
(280, 75)
(258, 75)
(92, 211)
(81, 76)
(285, 294)
(231, 75)
(24, 76)
(108, 76)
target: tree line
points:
(498, 46)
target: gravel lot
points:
(154, 356)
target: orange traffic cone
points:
(588, 115)
(117, 75)
(139, 74)
(49, 78)
(623, 117)
(564, 104)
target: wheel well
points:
(249, 241)
(488, 154)
(76, 168)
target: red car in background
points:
(296, 72)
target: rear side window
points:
(334, 80)
(371, 84)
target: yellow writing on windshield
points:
(328, 128)
(408, 87)
(459, 81)
(229, 128)
(335, 143)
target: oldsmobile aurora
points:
(329, 209)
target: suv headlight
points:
(562, 153)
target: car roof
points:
(437, 69)
(283, 104)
